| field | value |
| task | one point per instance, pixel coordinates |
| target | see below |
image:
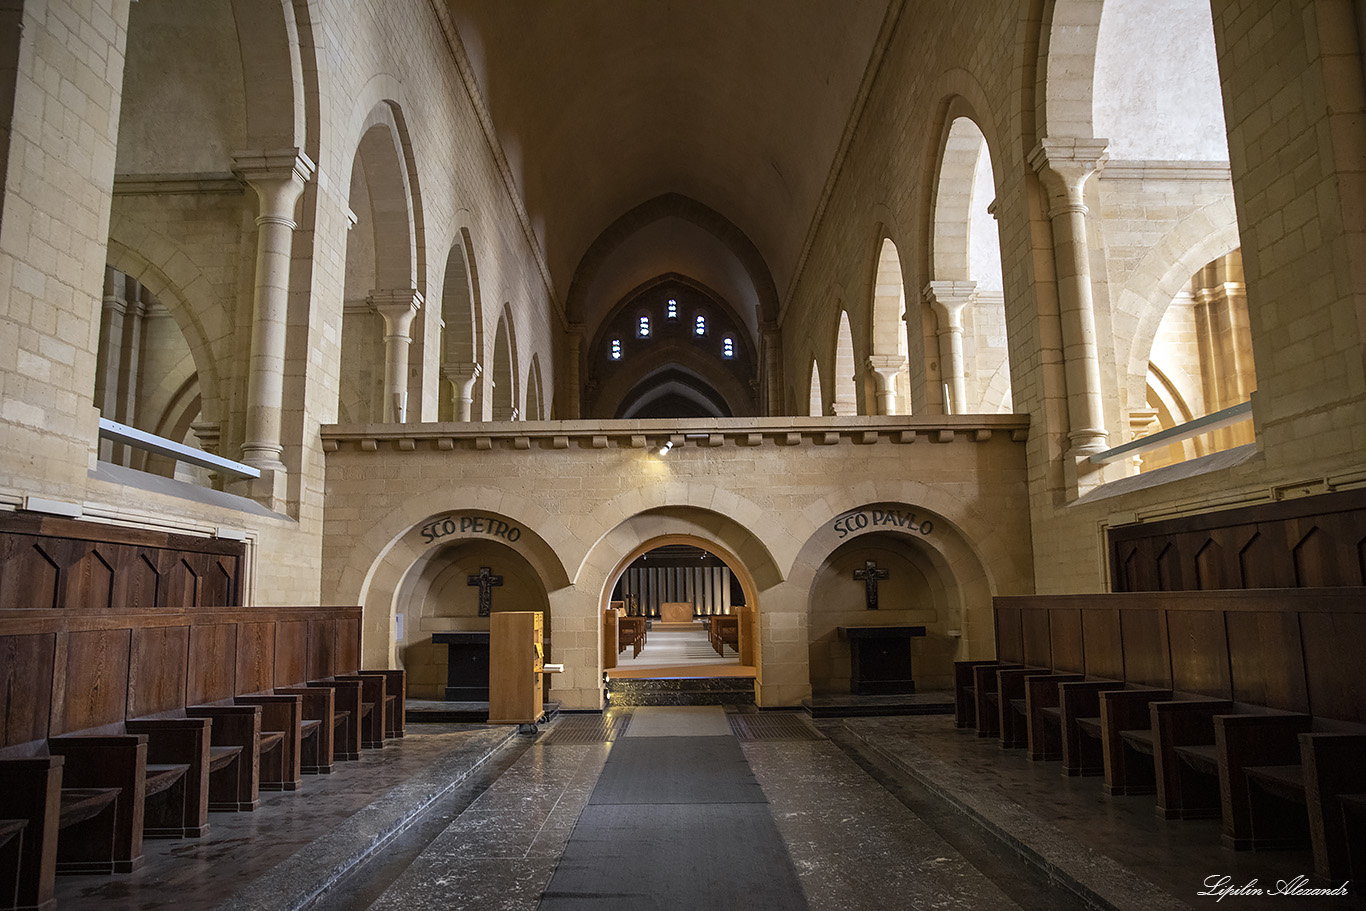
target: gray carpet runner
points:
(676, 823)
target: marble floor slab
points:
(1114, 848)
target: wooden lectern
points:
(516, 661)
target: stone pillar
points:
(949, 299)
(114, 307)
(209, 434)
(397, 307)
(1064, 165)
(278, 177)
(885, 368)
(463, 377)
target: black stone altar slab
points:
(467, 664)
(880, 658)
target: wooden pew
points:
(318, 707)
(373, 707)
(11, 858)
(724, 630)
(147, 759)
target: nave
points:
(872, 813)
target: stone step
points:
(681, 691)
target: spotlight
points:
(664, 450)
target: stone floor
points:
(876, 813)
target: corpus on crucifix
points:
(870, 575)
(485, 580)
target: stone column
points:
(463, 377)
(1064, 165)
(949, 299)
(885, 368)
(278, 177)
(397, 307)
(114, 306)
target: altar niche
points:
(440, 598)
(911, 591)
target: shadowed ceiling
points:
(603, 105)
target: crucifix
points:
(485, 580)
(870, 575)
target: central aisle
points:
(676, 820)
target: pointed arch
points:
(846, 388)
(505, 369)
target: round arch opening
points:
(682, 569)
(919, 589)
(440, 594)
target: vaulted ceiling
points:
(602, 106)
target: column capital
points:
(278, 176)
(886, 364)
(1064, 164)
(397, 306)
(462, 373)
(948, 298)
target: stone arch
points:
(974, 565)
(846, 386)
(1067, 64)
(371, 573)
(462, 316)
(268, 39)
(888, 378)
(665, 206)
(734, 542)
(170, 291)
(505, 395)
(1200, 237)
(816, 398)
(388, 209)
(535, 404)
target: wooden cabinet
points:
(516, 661)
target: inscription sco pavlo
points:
(851, 522)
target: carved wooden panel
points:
(1309, 542)
(1034, 634)
(157, 676)
(1147, 660)
(213, 663)
(1332, 660)
(255, 657)
(1102, 647)
(95, 684)
(1266, 660)
(1009, 643)
(49, 562)
(26, 667)
(1065, 632)
(291, 652)
(320, 647)
(346, 658)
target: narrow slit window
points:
(672, 309)
(643, 327)
(699, 326)
(728, 347)
(616, 349)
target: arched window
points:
(671, 311)
(643, 327)
(699, 326)
(728, 347)
(616, 350)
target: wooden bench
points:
(11, 858)
(724, 630)
(113, 765)
(964, 691)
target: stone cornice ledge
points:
(653, 433)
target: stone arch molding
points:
(964, 537)
(1200, 237)
(172, 292)
(754, 534)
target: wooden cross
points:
(485, 580)
(870, 575)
